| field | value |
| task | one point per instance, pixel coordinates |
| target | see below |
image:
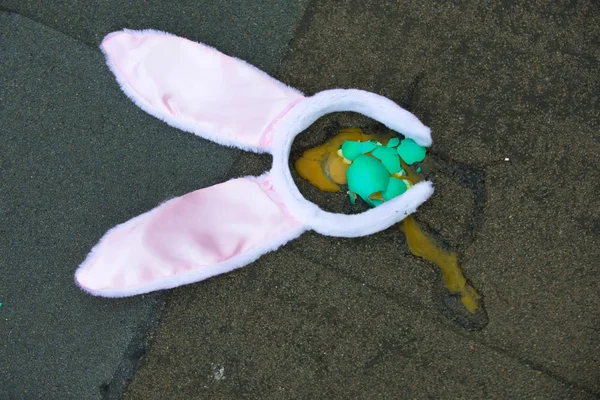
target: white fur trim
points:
(169, 119)
(372, 105)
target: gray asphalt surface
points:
(76, 158)
(511, 93)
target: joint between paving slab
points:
(414, 307)
(135, 351)
(301, 28)
(542, 369)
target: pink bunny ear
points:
(188, 239)
(196, 88)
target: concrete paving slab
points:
(322, 318)
(76, 158)
(509, 92)
(287, 328)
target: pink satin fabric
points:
(198, 85)
(197, 231)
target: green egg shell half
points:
(411, 152)
(366, 176)
(351, 149)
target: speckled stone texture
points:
(511, 93)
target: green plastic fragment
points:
(418, 170)
(395, 188)
(351, 149)
(411, 152)
(366, 175)
(393, 142)
(369, 146)
(389, 157)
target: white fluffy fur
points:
(169, 119)
(369, 104)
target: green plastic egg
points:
(351, 149)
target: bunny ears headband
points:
(214, 230)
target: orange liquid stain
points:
(422, 246)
